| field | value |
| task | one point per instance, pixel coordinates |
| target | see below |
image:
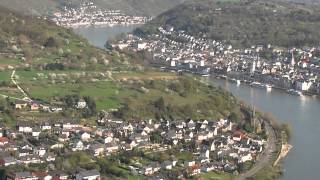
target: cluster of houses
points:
(89, 14)
(215, 146)
(286, 68)
(34, 106)
(212, 144)
(80, 174)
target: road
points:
(265, 157)
(21, 90)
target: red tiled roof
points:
(4, 139)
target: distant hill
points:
(245, 22)
(45, 7)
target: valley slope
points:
(134, 7)
(244, 23)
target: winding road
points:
(265, 157)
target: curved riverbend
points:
(98, 35)
(302, 112)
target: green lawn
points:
(185, 156)
(216, 176)
(5, 76)
(105, 93)
(9, 61)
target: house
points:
(156, 166)
(69, 124)
(58, 175)
(108, 139)
(112, 147)
(21, 104)
(42, 175)
(50, 157)
(20, 176)
(36, 132)
(81, 104)
(63, 138)
(34, 107)
(30, 159)
(78, 146)
(45, 126)
(194, 170)
(3, 141)
(41, 151)
(202, 136)
(303, 85)
(88, 175)
(148, 170)
(7, 161)
(85, 136)
(245, 158)
(24, 127)
(24, 152)
(208, 168)
(131, 144)
(238, 136)
(167, 165)
(97, 149)
(189, 163)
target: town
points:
(293, 69)
(196, 146)
(90, 14)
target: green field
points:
(5, 76)
(216, 176)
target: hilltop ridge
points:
(134, 7)
(244, 22)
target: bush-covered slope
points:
(245, 22)
(37, 43)
(46, 7)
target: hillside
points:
(52, 63)
(247, 22)
(135, 7)
(35, 43)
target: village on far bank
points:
(295, 70)
(89, 14)
(151, 149)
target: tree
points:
(159, 104)
(51, 42)
(234, 117)
(156, 137)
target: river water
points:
(98, 35)
(303, 113)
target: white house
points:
(303, 85)
(81, 104)
(85, 136)
(88, 175)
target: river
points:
(98, 35)
(303, 113)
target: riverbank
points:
(263, 85)
(301, 112)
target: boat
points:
(268, 87)
(294, 92)
(205, 75)
(257, 84)
(233, 80)
(238, 82)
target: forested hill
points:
(245, 22)
(134, 7)
(36, 43)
